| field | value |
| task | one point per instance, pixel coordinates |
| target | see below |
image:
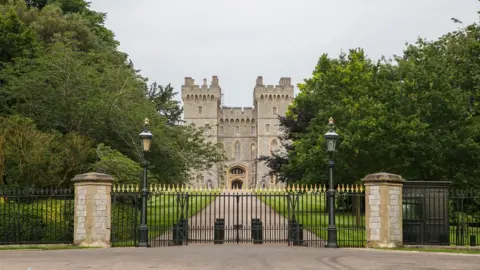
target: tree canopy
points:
(71, 102)
(416, 115)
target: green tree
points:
(163, 100)
(78, 85)
(45, 159)
(415, 115)
(16, 39)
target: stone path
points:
(238, 211)
(232, 257)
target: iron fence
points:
(464, 217)
(296, 216)
(36, 216)
(436, 214)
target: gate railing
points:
(294, 215)
(36, 216)
(436, 214)
(309, 208)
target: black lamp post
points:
(146, 139)
(331, 138)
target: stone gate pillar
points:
(92, 214)
(383, 209)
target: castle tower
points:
(270, 102)
(201, 105)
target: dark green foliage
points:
(68, 89)
(415, 115)
(36, 222)
(125, 222)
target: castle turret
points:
(201, 103)
(270, 103)
(200, 107)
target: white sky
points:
(240, 40)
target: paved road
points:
(240, 211)
(232, 257)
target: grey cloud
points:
(239, 40)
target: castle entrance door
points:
(237, 184)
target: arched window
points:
(199, 178)
(237, 150)
(273, 145)
(221, 130)
(252, 131)
(253, 152)
(220, 147)
(237, 130)
(237, 170)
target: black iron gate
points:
(293, 216)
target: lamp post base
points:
(143, 236)
(332, 237)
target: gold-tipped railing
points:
(162, 188)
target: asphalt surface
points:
(232, 257)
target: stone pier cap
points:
(92, 177)
(383, 177)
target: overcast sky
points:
(238, 40)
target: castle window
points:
(267, 127)
(253, 152)
(273, 146)
(274, 110)
(200, 110)
(253, 131)
(221, 148)
(221, 130)
(199, 178)
(237, 130)
(237, 150)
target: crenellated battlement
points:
(236, 112)
(281, 92)
(192, 91)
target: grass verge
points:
(311, 212)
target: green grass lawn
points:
(463, 239)
(163, 212)
(311, 213)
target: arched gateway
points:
(237, 176)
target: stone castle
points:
(244, 134)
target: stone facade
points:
(244, 134)
(92, 216)
(383, 210)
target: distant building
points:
(244, 134)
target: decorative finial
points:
(147, 122)
(331, 124)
